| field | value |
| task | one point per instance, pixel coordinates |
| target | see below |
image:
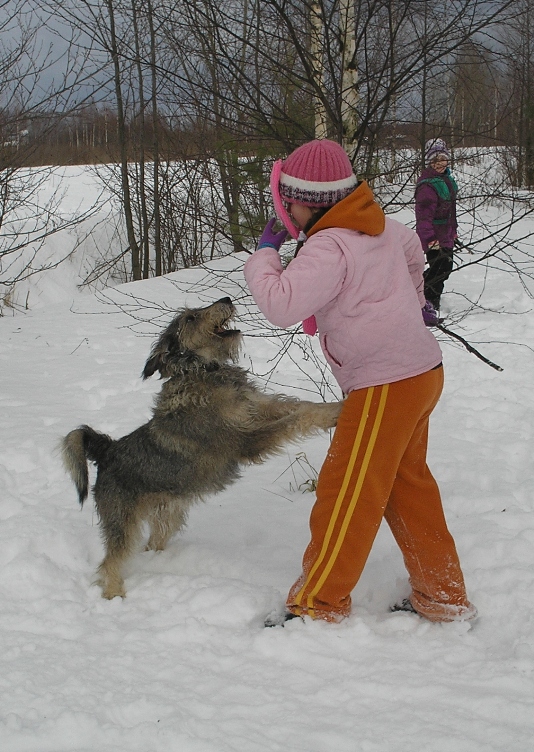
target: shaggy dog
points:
(209, 419)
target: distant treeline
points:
(189, 103)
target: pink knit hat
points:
(316, 174)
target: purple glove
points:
(430, 315)
(270, 239)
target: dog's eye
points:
(189, 319)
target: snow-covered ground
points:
(183, 664)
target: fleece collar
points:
(359, 211)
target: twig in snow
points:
(469, 347)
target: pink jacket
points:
(366, 293)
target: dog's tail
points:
(77, 447)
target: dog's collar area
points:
(211, 366)
(190, 362)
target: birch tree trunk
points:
(317, 54)
(349, 80)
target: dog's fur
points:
(209, 419)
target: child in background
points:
(358, 279)
(435, 218)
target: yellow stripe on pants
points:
(339, 500)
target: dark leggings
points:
(439, 269)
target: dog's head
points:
(196, 334)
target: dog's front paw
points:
(330, 413)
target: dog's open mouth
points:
(223, 329)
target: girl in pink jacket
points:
(357, 278)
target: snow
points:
(183, 664)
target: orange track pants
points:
(376, 467)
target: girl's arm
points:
(415, 259)
(311, 280)
(426, 204)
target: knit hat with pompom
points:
(434, 148)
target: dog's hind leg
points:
(165, 518)
(120, 539)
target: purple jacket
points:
(435, 214)
(366, 293)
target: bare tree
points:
(225, 88)
(519, 81)
(34, 79)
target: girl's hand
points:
(271, 239)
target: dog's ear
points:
(165, 349)
(158, 357)
(154, 363)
